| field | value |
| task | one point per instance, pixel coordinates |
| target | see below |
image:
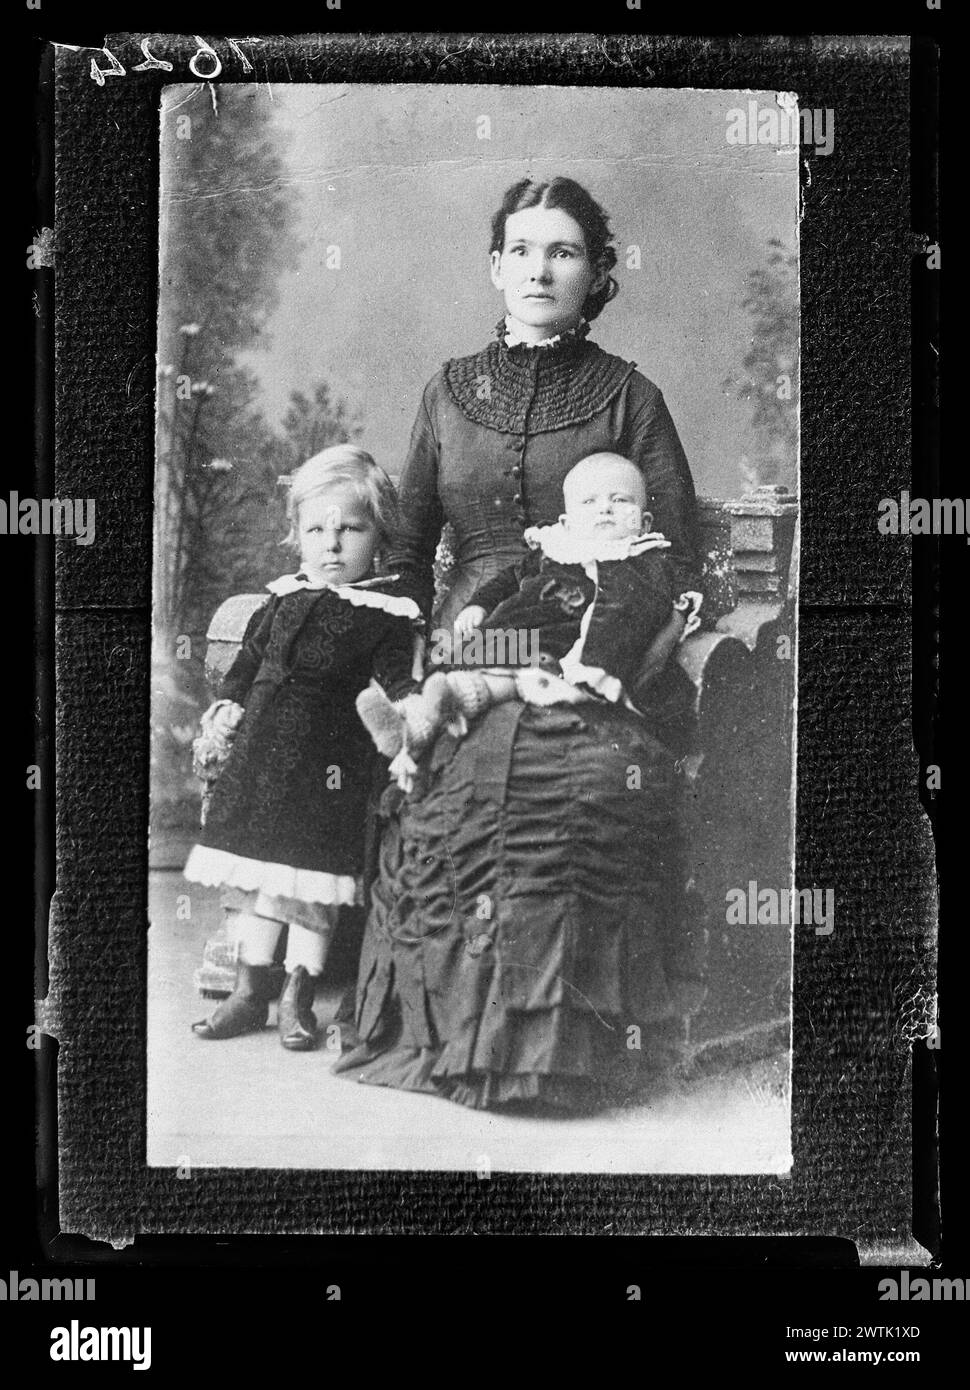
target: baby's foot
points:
(382, 719)
(428, 712)
(470, 692)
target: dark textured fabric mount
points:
(859, 824)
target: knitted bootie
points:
(471, 692)
(295, 1018)
(428, 712)
(382, 719)
(246, 1009)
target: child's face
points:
(605, 496)
(544, 269)
(338, 536)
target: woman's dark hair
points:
(571, 197)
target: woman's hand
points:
(658, 653)
(469, 619)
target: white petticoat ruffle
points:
(218, 868)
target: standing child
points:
(284, 830)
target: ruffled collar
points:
(363, 593)
(524, 389)
(568, 548)
(507, 336)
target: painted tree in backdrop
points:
(226, 220)
(769, 379)
(225, 233)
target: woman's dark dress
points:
(495, 435)
(526, 937)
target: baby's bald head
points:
(604, 494)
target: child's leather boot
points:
(295, 1020)
(246, 1009)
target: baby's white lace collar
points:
(567, 548)
(361, 593)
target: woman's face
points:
(544, 271)
(337, 534)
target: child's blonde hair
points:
(342, 463)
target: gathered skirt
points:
(526, 935)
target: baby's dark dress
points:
(613, 617)
(288, 814)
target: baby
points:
(591, 595)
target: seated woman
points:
(527, 934)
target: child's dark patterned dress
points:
(296, 786)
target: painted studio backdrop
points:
(323, 250)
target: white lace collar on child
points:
(361, 594)
(568, 548)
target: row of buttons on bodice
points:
(516, 443)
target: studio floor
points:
(247, 1103)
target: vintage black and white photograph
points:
(474, 657)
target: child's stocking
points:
(306, 948)
(256, 938)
